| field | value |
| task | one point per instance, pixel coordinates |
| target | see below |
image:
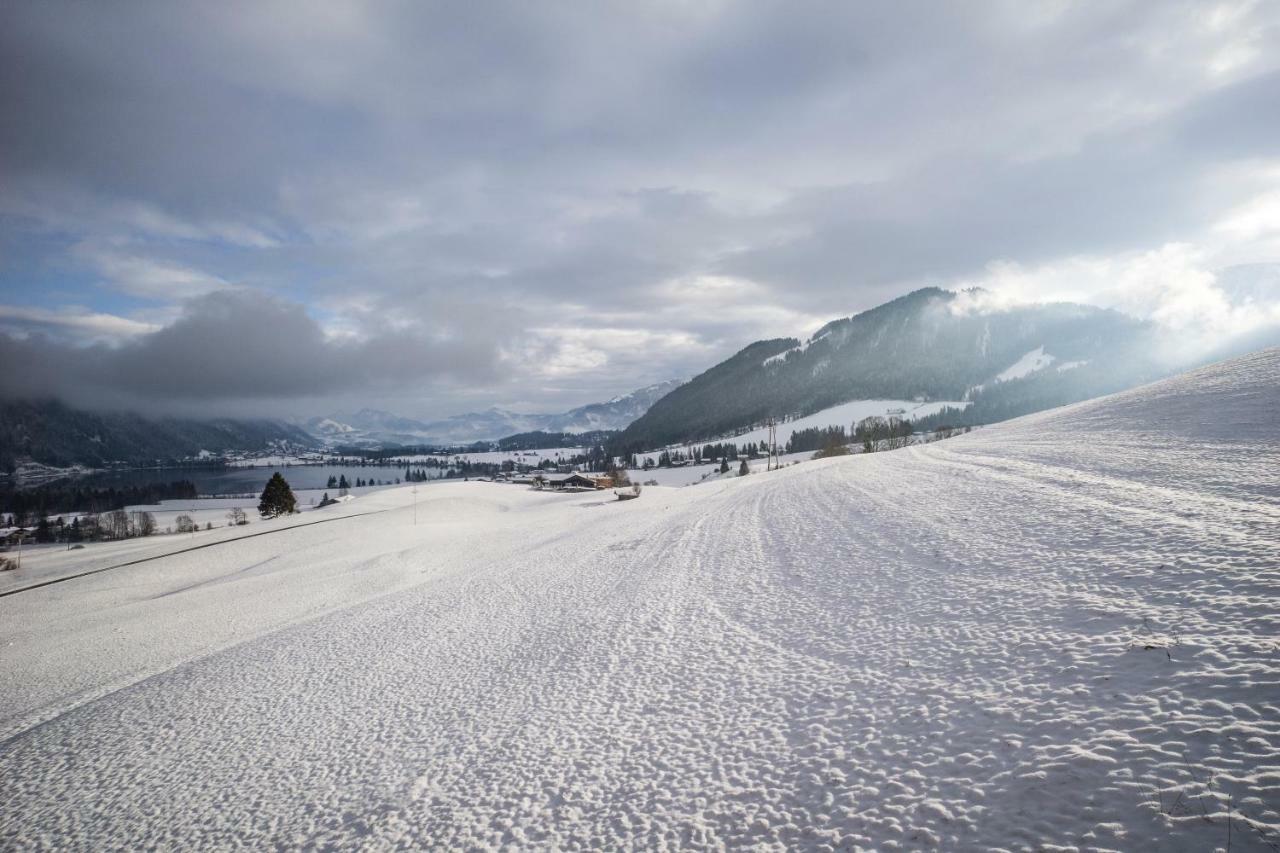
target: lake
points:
(238, 481)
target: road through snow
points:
(1057, 631)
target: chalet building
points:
(573, 481)
(9, 536)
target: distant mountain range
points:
(40, 434)
(50, 433)
(372, 427)
(932, 344)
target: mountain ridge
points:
(928, 345)
(374, 427)
(55, 434)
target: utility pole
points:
(772, 462)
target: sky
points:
(288, 208)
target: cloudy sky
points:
(291, 208)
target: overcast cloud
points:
(290, 208)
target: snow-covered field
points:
(528, 457)
(41, 560)
(214, 510)
(276, 460)
(1061, 632)
(845, 415)
(523, 457)
(848, 414)
(692, 475)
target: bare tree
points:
(881, 433)
(942, 432)
(617, 473)
(115, 524)
(185, 524)
(143, 523)
(236, 517)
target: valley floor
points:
(1058, 631)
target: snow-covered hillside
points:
(929, 344)
(1059, 632)
(845, 415)
(1035, 360)
(848, 414)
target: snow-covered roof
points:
(560, 478)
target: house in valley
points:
(574, 481)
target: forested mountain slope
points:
(930, 344)
(55, 434)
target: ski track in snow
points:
(1059, 632)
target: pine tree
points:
(277, 498)
(743, 470)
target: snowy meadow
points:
(1059, 632)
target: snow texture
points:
(1056, 633)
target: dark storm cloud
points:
(238, 345)
(553, 201)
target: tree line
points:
(119, 523)
(108, 526)
(30, 504)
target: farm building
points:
(573, 481)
